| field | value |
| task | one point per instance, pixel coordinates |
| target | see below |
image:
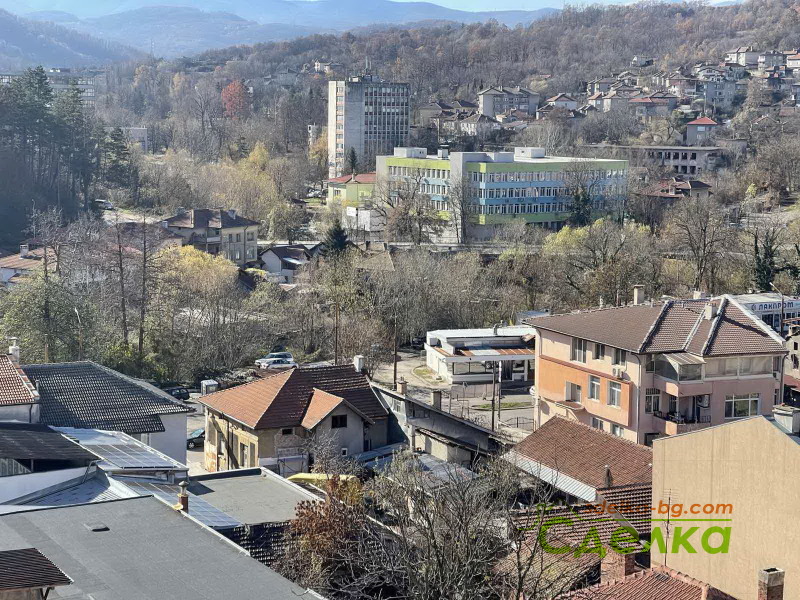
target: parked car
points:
(279, 363)
(104, 205)
(272, 356)
(196, 438)
(179, 393)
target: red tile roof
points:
(15, 387)
(656, 583)
(672, 326)
(283, 400)
(358, 178)
(703, 121)
(582, 452)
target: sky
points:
(490, 4)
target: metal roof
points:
(141, 548)
(119, 451)
(27, 568)
(25, 441)
(508, 331)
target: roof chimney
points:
(698, 295)
(23, 250)
(638, 294)
(436, 399)
(402, 387)
(710, 311)
(358, 363)
(232, 213)
(770, 584)
(13, 350)
(609, 480)
(183, 497)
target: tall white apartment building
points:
(368, 115)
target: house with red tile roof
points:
(268, 422)
(650, 369)
(700, 131)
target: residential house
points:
(771, 59)
(641, 61)
(700, 131)
(658, 104)
(493, 101)
(581, 462)
(14, 266)
(793, 61)
(525, 185)
(650, 369)
(268, 422)
(653, 583)
(744, 470)
(217, 231)
(470, 125)
(743, 55)
(355, 193)
(428, 113)
(467, 357)
(600, 85)
(131, 548)
(87, 395)
(718, 94)
(562, 101)
(677, 188)
(284, 261)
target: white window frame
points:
(614, 394)
(594, 387)
(598, 424)
(749, 398)
(578, 350)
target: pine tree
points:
(352, 162)
(118, 158)
(335, 239)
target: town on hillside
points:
(479, 310)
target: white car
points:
(278, 363)
(272, 356)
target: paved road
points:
(194, 458)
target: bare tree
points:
(408, 210)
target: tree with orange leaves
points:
(236, 100)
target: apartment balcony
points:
(675, 423)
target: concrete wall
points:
(750, 464)
(350, 437)
(171, 441)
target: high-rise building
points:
(368, 116)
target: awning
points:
(683, 358)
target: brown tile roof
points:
(656, 583)
(357, 178)
(13, 260)
(15, 387)
(632, 502)
(217, 218)
(582, 452)
(27, 568)
(282, 400)
(321, 405)
(672, 326)
(703, 121)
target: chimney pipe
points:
(608, 479)
(436, 399)
(13, 350)
(402, 387)
(638, 294)
(770, 584)
(358, 363)
(23, 250)
(183, 497)
(710, 311)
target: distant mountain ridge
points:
(198, 25)
(24, 42)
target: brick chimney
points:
(770, 584)
(13, 351)
(616, 566)
(402, 387)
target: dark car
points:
(179, 393)
(196, 438)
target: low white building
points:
(771, 307)
(480, 356)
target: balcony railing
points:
(681, 419)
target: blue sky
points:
(493, 4)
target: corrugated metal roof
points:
(27, 568)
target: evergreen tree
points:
(352, 162)
(118, 158)
(581, 214)
(335, 239)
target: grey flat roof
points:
(140, 548)
(250, 495)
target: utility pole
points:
(394, 353)
(494, 377)
(80, 334)
(336, 335)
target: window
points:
(594, 387)
(652, 400)
(287, 431)
(741, 405)
(338, 421)
(597, 423)
(344, 451)
(578, 350)
(620, 356)
(230, 238)
(250, 236)
(253, 456)
(573, 392)
(599, 351)
(616, 430)
(650, 364)
(614, 393)
(673, 403)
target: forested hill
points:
(24, 43)
(575, 45)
